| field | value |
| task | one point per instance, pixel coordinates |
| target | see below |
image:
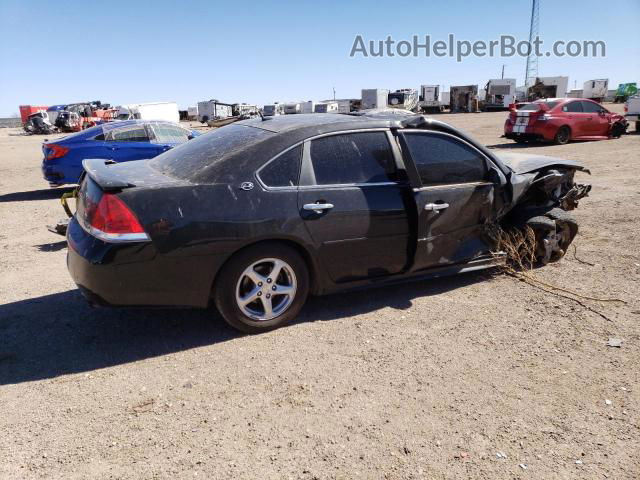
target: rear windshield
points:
(536, 106)
(191, 158)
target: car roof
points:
(328, 121)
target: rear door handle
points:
(317, 207)
(434, 207)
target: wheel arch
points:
(314, 270)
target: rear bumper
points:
(136, 274)
(525, 136)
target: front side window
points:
(284, 170)
(441, 159)
(364, 157)
(130, 134)
(591, 107)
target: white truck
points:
(308, 107)
(548, 87)
(432, 99)
(499, 94)
(273, 109)
(213, 110)
(167, 111)
(327, 107)
(632, 111)
(374, 98)
(595, 89)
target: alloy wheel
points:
(266, 289)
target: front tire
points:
(554, 232)
(262, 287)
(563, 136)
(617, 130)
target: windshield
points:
(190, 159)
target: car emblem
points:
(246, 186)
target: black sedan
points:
(257, 215)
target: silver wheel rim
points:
(266, 289)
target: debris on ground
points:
(614, 342)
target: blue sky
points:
(259, 52)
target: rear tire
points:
(563, 136)
(246, 290)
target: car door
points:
(599, 124)
(130, 142)
(576, 118)
(354, 200)
(453, 196)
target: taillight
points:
(626, 108)
(112, 220)
(55, 151)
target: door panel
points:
(364, 234)
(457, 232)
(126, 151)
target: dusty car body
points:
(256, 215)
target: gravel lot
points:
(423, 380)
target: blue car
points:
(119, 141)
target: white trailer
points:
(499, 93)
(549, 87)
(308, 107)
(374, 98)
(292, 108)
(327, 107)
(632, 111)
(595, 89)
(273, 109)
(167, 111)
(213, 110)
(432, 99)
(192, 112)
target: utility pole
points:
(502, 71)
(532, 58)
(334, 94)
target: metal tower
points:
(532, 58)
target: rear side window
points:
(283, 171)
(442, 160)
(573, 107)
(165, 133)
(353, 158)
(130, 134)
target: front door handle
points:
(434, 207)
(317, 207)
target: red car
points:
(561, 120)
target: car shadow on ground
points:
(59, 334)
(44, 194)
(52, 247)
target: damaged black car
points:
(255, 216)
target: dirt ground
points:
(477, 376)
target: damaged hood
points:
(527, 163)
